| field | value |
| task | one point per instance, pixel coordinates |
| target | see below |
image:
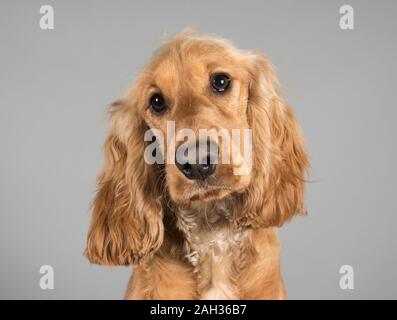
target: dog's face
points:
(197, 86)
(196, 83)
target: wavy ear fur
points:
(127, 212)
(276, 192)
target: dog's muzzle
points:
(198, 160)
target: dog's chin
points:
(201, 192)
(209, 193)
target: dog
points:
(198, 230)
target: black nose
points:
(202, 165)
(197, 171)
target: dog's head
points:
(204, 121)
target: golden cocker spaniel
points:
(196, 229)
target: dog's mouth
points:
(215, 187)
(207, 192)
(204, 191)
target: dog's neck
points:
(213, 246)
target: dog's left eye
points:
(157, 103)
(220, 82)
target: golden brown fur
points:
(199, 242)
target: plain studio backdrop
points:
(56, 85)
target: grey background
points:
(55, 87)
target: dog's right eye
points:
(220, 82)
(157, 104)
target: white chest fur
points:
(214, 248)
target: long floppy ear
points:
(276, 192)
(127, 212)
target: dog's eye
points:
(157, 103)
(220, 82)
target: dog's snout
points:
(198, 161)
(197, 171)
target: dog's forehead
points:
(191, 58)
